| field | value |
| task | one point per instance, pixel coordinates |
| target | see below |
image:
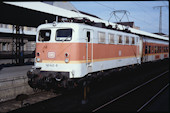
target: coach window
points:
(63, 34)
(149, 49)
(88, 36)
(155, 49)
(167, 49)
(120, 40)
(152, 49)
(44, 35)
(164, 49)
(111, 39)
(101, 36)
(127, 39)
(133, 40)
(159, 49)
(146, 49)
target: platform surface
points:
(15, 71)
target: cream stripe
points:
(84, 61)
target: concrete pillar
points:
(0, 46)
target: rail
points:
(129, 92)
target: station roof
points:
(14, 15)
(35, 13)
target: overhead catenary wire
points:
(147, 13)
(151, 15)
(147, 23)
(105, 6)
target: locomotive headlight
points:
(66, 60)
(66, 57)
(38, 59)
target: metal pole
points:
(160, 21)
(160, 17)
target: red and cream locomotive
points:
(71, 50)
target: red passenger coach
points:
(155, 49)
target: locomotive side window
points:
(101, 37)
(133, 40)
(63, 34)
(44, 35)
(127, 39)
(137, 39)
(120, 40)
(111, 39)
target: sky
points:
(141, 12)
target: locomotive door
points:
(89, 49)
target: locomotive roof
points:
(73, 25)
(68, 24)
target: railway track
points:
(131, 100)
(13, 104)
(110, 87)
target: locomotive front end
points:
(54, 51)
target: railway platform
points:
(14, 81)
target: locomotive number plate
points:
(51, 65)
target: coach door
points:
(89, 49)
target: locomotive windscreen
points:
(63, 34)
(44, 35)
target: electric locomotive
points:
(66, 52)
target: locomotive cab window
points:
(44, 35)
(63, 34)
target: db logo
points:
(51, 54)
